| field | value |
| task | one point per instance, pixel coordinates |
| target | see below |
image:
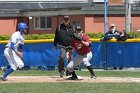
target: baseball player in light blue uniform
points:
(13, 50)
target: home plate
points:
(79, 77)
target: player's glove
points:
(12, 46)
(79, 38)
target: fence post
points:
(104, 54)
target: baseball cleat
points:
(93, 77)
(4, 79)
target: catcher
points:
(81, 44)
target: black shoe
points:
(120, 68)
(72, 78)
(115, 68)
(4, 79)
(62, 74)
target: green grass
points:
(75, 87)
(70, 88)
(81, 73)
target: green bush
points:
(51, 36)
(134, 34)
(30, 37)
(4, 37)
(41, 36)
(95, 35)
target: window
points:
(49, 21)
(42, 23)
(37, 22)
(76, 23)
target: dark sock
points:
(8, 67)
(10, 70)
(90, 70)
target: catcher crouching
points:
(81, 45)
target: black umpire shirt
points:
(63, 35)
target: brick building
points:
(44, 16)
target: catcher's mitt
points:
(75, 36)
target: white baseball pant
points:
(13, 59)
(78, 59)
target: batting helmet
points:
(22, 26)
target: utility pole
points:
(104, 47)
(127, 15)
(105, 16)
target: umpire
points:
(63, 36)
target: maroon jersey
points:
(80, 48)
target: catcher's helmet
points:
(22, 26)
(78, 28)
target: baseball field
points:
(36, 81)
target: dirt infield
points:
(20, 79)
